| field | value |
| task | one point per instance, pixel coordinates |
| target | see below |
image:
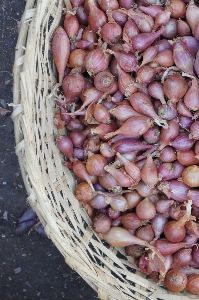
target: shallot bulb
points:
(149, 54)
(73, 85)
(133, 127)
(143, 105)
(155, 89)
(144, 22)
(191, 98)
(111, 33)
(149, 173)
(183, 58)
(175, 87)
(96, 61)
(61, 50)
(145, 209)
(96, 18)
(143, 40)
(162, 18)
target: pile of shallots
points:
(130, 105)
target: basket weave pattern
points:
(49, 184)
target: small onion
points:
(175, 280)
(193, 284)
(190, 176)
(145, 209)
(83, 192)
(95, 164)
(101, 223)
(145, 233)
(182, 258)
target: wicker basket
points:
(49, 184)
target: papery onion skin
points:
(106, 150)
(183, 28)
(145, 209)
(134, 126)
(65, 145)
(149, 54)
(135, 251)
(165, 58)
(162, 44)
(168, 154)
(191, 98)
(117, 203)
(182, 257)
(74, 124)
(185, 122)
(119, 17)
(162, 18)
(101, 113)
(96, 61)
(183, 57)
(133, 198)
(169, 134)
(158, 223)
(83, 192)
(152, 135)
(61, 50)
(166, 248)
(145, 74)
(111, 4)
(95, 164)
(175, 189)
(73, 85)
(144, 190)
(153, 10)
(71, 25)
(190, 176)
(171, 29)
(123, 112)
(194, 130)
(113, 214)
(81, 15)
(178, 9)
(193, 194)
(167, 112)
(76, 59)
(143, 40)
(121, 177)
(193, 284)
(96, 18)
(182, 142)
(192, 15)
(130, 221)
(175, 280)
(187, 158)
(130, 30)
(173, 233)
(145, 233)
(108, 182)
(175, 87)
(120, 237)
(149, 173)
(183, 109)
(101, 223)
(98, 202)
(111, 33)
(103, 81)
(163, 205)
